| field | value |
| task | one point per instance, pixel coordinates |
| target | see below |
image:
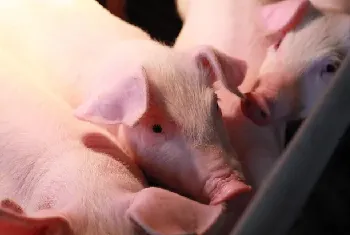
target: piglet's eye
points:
(331, 67)
(156, 128)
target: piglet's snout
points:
(225, 180)
(259, 105)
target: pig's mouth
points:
(225, 186)
(256, 108)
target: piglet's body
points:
(289, 66)
(158, 102)
(65, 177)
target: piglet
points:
(61, 176)
(300, 65)
(160, 103)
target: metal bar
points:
(279, 201)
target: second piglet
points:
(300, 65)
(159, 101)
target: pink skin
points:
(116, 77)
(256, 108)
(223, 28)
(61, 176)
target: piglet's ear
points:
(123, 101)
(221, 67)
(162, 212)
(281, 17)
(13, 221)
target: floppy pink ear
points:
(158, 211)
(13, 221)
(221, 67)
(281, 17)
(124, 101)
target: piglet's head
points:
(272, 97)
(174, 122)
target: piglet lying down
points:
(158, 103)
(61, 176)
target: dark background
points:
(327, 210)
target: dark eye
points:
(157, 128)
(331, 68)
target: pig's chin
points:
(224, 186)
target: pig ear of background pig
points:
(123, 102)
(283, 16)
(13, 221)
(221, 67)
(158, 211)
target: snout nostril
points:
(263, 114)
